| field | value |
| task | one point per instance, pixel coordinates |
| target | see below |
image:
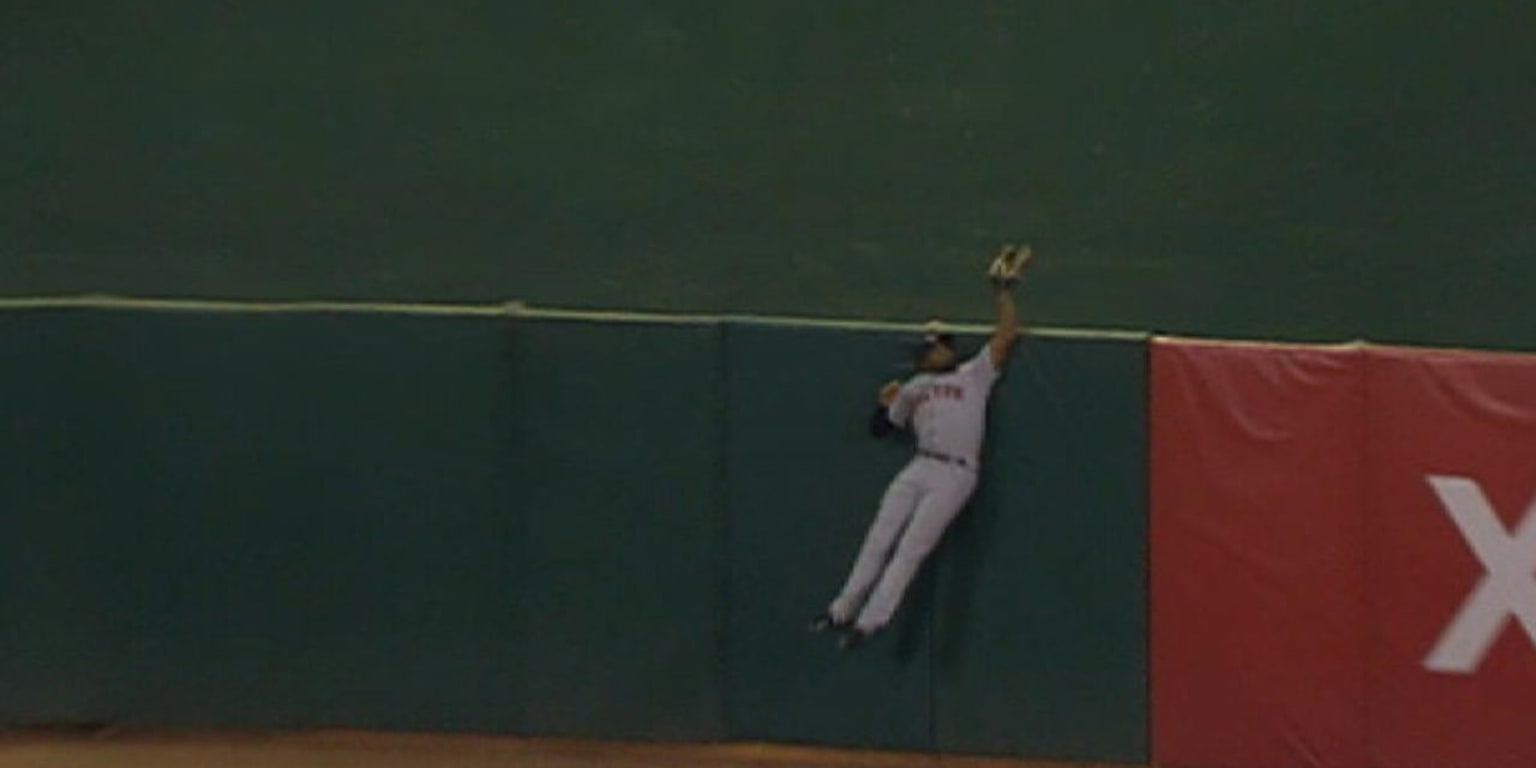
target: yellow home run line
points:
(102, 301)
(509, 309)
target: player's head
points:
(936, 353)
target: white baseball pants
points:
(918, 506)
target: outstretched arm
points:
(1003, 280)
(1007, 330)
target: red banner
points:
(1343, 549)
(1256, 552)
(1453, 559)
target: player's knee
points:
(884, 532)
(916, 547)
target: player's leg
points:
(896, 508)
(946, 496)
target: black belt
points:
(946, 458)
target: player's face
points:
(937, 357)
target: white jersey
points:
(948, 411)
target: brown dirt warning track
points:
(345, 749)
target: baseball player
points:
(945, 404)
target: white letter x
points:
(1508, 589)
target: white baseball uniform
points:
(948, 413)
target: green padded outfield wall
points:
(1040, 619)
(257, 519)
(64, 580)
(1307, 169)
(599, 529)
(805, 479)
(620, 434)
(304, 519)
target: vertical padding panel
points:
(65, 601)
(1452, 537)
(287, 519)
(1258, 546)
(1041, 610)
(805, 479)
(620, 445)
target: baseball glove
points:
(1009, 265)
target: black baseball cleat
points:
(852, 638)
(825, 622)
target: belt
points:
(944, 457)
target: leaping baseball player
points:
(945, 404)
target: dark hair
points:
(929, 341)
(946, 339)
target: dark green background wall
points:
(550, 525)
(1308, 169)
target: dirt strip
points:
(347, 749)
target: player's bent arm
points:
(880, 424)
(893, 407)
(1007, 330)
